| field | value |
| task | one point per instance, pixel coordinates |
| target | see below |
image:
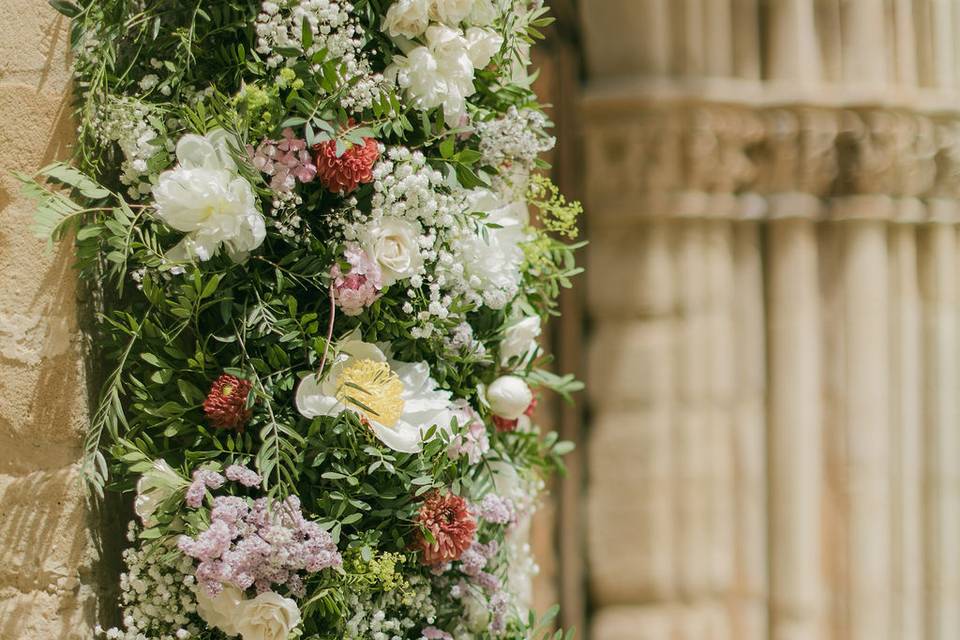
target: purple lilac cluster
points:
(259, 543)
(243, 475)
(203, 479)
(432, 633)
(472, 564)
(286, 161)
(497, 510)
(359, 287)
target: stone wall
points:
(45, 542)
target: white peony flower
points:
(393, 244)
(520, 340)
(482, 45)
(509, 397)
(221, 611)
(482, 14)
(450, 12)
(437, 74)
(407, 18)
(205, 197)
(399, 400)
(156, 485)
(269, 616)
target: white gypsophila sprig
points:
(127, 123)
(333, 29)
(391, 614)
(512, 143)
(158, 600)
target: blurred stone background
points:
(770, 443)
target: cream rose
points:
(482, 14)
(393, 244)
(407, 18)
(450, 12)
(269, 616)
(221, 611)
(520, 340)
(482, 45)
(509, 397)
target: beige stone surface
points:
(45, 541)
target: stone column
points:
(45, 542)
(796, 448)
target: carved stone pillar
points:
(774, 217)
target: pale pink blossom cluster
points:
(359, 287)
(472, 441)
(243, 475)
(432, 633)
(203, 479)
(474, 560)
(259, 543)
(497, 510)
(286, 161)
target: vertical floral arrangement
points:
(325, 247)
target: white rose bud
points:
(519, 340)
(407, 18)
(221, 611)
(509, 397)
(269, 616)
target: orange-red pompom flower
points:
(350, 170)
(449, 522)
(226, 404)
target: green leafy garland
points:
(177, 319)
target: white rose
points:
(509, 397)
(482, 14)
(155, 486)
(407, 18)
(482, 45)
(393, 244)
(450, 12)
(221, 611)
(205, 197)
(520, 340)
(269, 616)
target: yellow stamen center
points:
(373, 390)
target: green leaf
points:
(66, 8)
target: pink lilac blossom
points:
(473, 441)
(499, 604)
(243, 475)
(260, 543)
(488, 581)
(202, 480)
(286, 161)
(361, 285)
(432, 633)
(497, 510)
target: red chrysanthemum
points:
(353, 168)
(448, 520)
(226, 404)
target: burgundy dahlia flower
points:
(226, 404)
(448, 520)
(353, 168)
